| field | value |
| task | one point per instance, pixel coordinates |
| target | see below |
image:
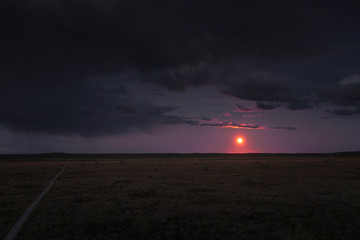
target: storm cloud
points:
(51, 50)
(65, 37)
(345, 95)
(83, 110)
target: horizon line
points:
(177, 153)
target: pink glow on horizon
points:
(245, 126)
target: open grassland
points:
(20, 185)
(185, 197)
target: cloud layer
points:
(51, 50)
(344, 94)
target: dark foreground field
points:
(183, 196)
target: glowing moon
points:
(240, 140)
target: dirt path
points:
(16, 228)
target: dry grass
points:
(202, 197)
(21, 183)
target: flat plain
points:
(183, 196)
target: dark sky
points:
(179, 76)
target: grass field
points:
(183, 196)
